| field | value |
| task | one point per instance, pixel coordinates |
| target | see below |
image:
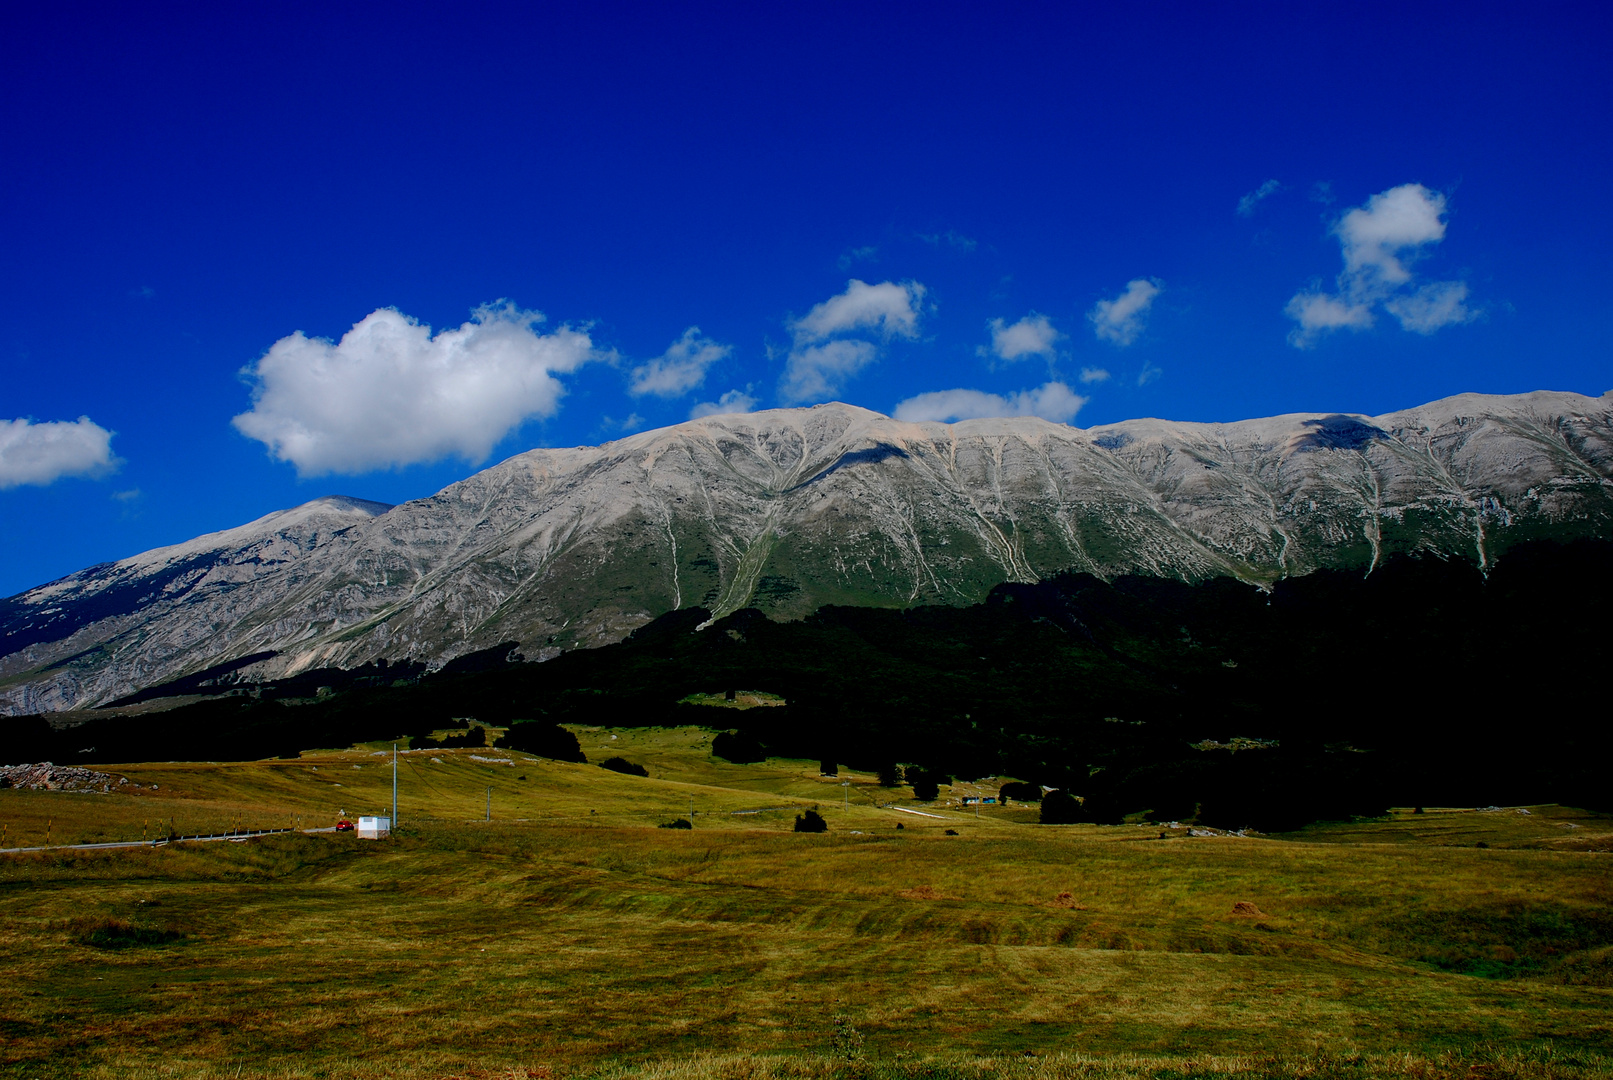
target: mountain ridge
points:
(791, 509)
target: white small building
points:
(374, 828)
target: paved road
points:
(162, 841)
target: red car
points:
(344, 826)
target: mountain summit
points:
(792, 509)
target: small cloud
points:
(821, 359)
(868, 253)
(1148, 374)
(1094, 375)
(1247, 204)
(1379, 242)
(391, 393)
(41, 454)
(1399, 221)
(127, 496)
(950, 239)
(1322, 192)
(680, 369)
(1318, 313)
(1033, 335)
(817, 372)
(144, 292)
(889, 308)
(1051, 401)
(1120, 320)
(1440, 303)
(734, 401)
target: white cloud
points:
(41, 454)
(1033, 335)
(680, 369)
(1318, 313)
(734, 401)
(821, 360)
(1051, 401)
(391, 393)
(1401, 219)
(1378, 242)
(1247, 204)
(817, 372)
(1094, 375)
(1440, 303)
(1120, 320)
(889, 308)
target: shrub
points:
(117, 933)
(828, 768)
(1060, 808)
(1020, 792)
(811, 821)
(846, 1042)
(680, 823)
(622, 765)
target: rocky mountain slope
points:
(796, 508)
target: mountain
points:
(793, 509)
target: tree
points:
(1060, 808)
(1020, 792)
(927, 783)
(811, 821)
(890, 774)
(828, 768)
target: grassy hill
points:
(570, 935)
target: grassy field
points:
(568, 935)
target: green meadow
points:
(530, 918)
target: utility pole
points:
(394, 786)
(845, 786)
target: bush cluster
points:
(622, 765)
(473, 737)
(543, 739)
(810, 821)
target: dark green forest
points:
(1336, 694)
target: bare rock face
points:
(796, 508)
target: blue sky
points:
(1202, 212)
